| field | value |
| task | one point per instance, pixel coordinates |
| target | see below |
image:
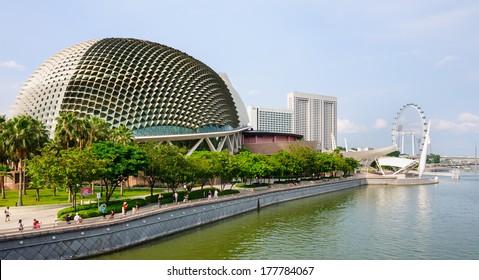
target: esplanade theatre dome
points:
(150, 88)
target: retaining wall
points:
(103, 237)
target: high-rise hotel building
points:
(314, 117)
(270, 120)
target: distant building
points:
(270, 120)
(314, 117)
(363, 149)
(152, 89)
(268, 143)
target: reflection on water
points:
(374, 222)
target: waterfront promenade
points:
(47, 213)
(58, 240)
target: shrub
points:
(91, 210)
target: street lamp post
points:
(75, 198)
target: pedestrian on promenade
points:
(159, 200)
(137, 208)
(124, 208)
(37, 224)
(20, 225)
(103, 212)
(68, 218)
(112, 214)
(216, 193)
(7, 214)
(175, 197)
(78, 219)
(209, 194)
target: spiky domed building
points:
(150, 88)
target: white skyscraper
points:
(314, 117)
(270, 120)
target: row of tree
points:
(85, 150)
(23, 137)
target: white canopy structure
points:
(370, 155)
(401, 164)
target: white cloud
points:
(12, 65)
(349, 127)
(468, 117)
(445, 60)
(465, 123)
(254, 92)
(380, 124)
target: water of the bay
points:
(369, 223)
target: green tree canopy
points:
(120, 162)
(176, 170)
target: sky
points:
(374, 56)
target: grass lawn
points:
(47, 197)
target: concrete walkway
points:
(47, 215)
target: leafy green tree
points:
(340, 164)
(175, 168)
(152, 171)
(253, 166)
(70, 168)
(306, 155)
(202, 165)
(227, 168)
(433, 158)
(78, 166)
(352, 163)
(120, 162)
(285, 164)
(41, 168)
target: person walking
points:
(159, 200)
(175, 197)
(78, 219)
(137, 208)
(103, 212)
(7, 214)
(20, 225)
(124, 208)
(68, 218)
(37, 224)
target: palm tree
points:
(4, 172)
(22, 136)
(81, 131)
(74, 131)
(65, 129)
(98, 130)
(122, 134)
(3, 160)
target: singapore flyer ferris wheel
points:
(413, 127)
